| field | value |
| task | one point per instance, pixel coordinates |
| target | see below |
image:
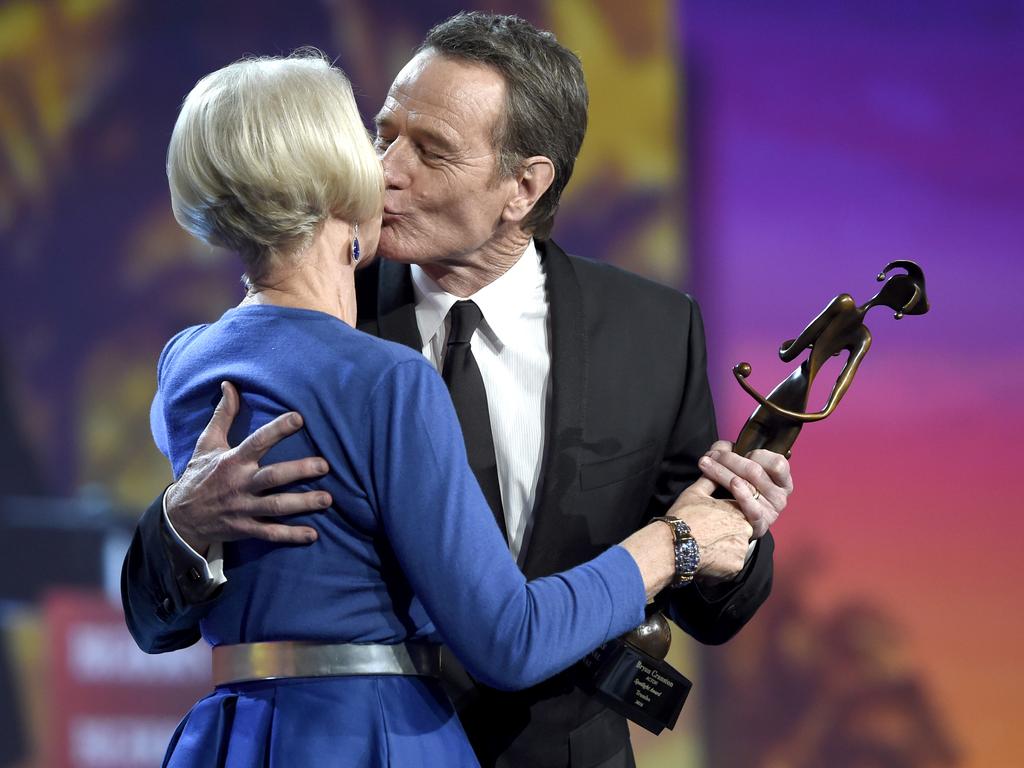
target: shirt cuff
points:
(211, 566)
(746, 561)
(750, 552)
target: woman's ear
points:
(534, 177)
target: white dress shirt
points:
(513, 352)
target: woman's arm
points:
(508, 632)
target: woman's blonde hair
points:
(265, 150)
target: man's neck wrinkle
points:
(464, 280)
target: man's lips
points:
(390, 216)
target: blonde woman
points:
(327, 654)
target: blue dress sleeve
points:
(157, 420)
(158, 409)
(509, 633)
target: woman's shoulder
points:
(176, 345)
(392, 366)
(288, 334)
(294, 348)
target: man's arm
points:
(692, 466)
(713, 610)
(221, 496)
(157, 590)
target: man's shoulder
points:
(602, 282)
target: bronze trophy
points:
(630, 673)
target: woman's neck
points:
(319, 277)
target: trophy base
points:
(644, 689)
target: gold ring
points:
(757, 493)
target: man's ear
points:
(534, 177)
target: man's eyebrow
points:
(435, 138)
(418, 131)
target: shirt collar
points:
(502, 301)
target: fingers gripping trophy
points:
(631, 673)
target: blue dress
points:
(408, 552)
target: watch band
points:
(687, 552)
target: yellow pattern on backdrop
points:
(634, 74)
(54, 58)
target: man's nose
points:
(396, 164)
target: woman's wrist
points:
(652, 547)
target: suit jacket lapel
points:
(384, 289)
(559, 486)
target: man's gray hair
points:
(546, 96)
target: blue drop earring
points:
(355, 243)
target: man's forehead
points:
(441, 91)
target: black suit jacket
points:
(630, 414)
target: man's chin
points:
(401, 244)
(367, 259)
(396, 254)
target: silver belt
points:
(285, 658)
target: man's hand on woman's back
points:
(222, 494)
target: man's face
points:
(442, 200)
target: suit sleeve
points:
(162, 600)
(509, 633)
(710, 614)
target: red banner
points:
(110, 704)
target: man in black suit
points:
(596, 388)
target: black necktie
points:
(462, 375)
